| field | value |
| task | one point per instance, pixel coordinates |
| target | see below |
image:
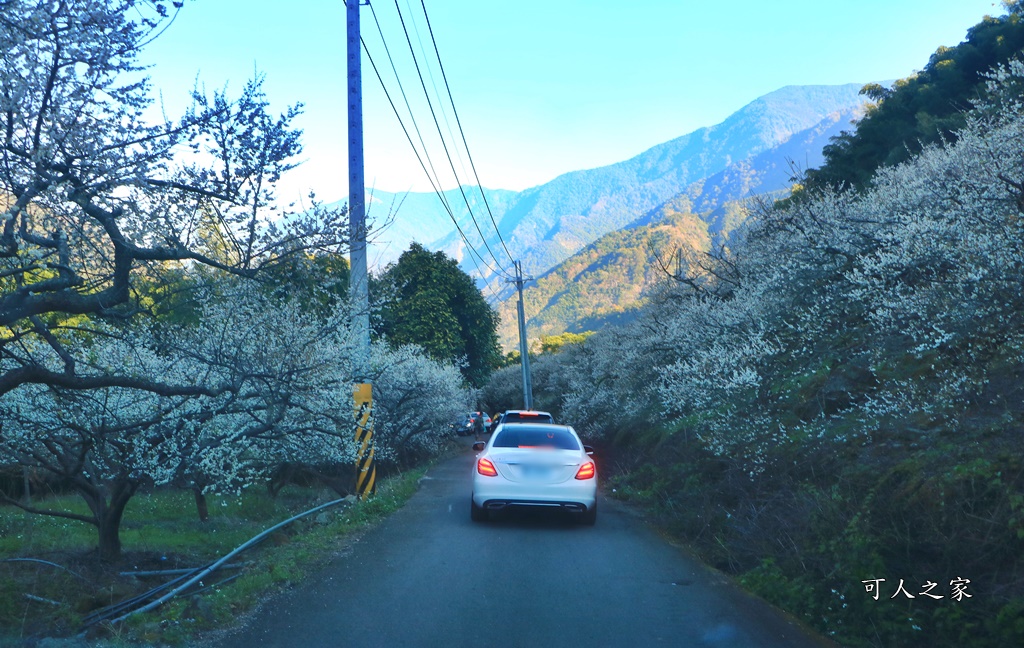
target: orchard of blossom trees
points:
(155, 328)
(922, 269)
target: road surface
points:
(428, 576)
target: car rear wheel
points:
(476, 513)
(589, 518)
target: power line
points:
(434, 179)
(437, 93)
(432, 174)
(518, 279)
(408, 107)
(437, 190)
(433, 114)
(463, 133)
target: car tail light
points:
(486, 468)
(586, 471)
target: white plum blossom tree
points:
(415, 398)
(921, 269)
(153, 329)
(95, 199)
(289, 400)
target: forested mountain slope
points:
(549, 223)
(544, 225)
(606, 280)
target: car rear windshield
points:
(524, 417)
(520, 436)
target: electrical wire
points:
(437, 190)
(462, 132)
(432, 175)
(433, 114)
(408, 107)
(434, 178)
(435, 186)
(437, 93)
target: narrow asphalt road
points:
(428, 576)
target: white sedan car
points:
(534, 465)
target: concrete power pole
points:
(524, 349)
(366, 473)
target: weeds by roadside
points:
(162, 532)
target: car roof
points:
(523, 425)
(534, 412)
(512, 428)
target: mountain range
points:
(621, 218)
(606, 280)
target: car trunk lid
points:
(537, 465)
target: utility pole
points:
(524, 350)
(362, 392)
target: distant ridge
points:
(548, 223)
(604, 282)
(421, 217)
(544, 225)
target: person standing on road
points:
(478, 425)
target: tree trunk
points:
(26, 496)
(201, 508)
(108, 515)
(110, 537)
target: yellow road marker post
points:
(366, 472)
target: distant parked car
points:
(464, 427)
(536, 466)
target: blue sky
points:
(543, 88)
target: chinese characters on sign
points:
(957, 589)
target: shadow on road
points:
(534, 519)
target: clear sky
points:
(542, 88)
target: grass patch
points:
(161, 530)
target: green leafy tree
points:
(319, 281)
(926, 108)
(555, 343)
(435, 305)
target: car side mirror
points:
(588, 449)
(479, 446)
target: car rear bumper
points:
(580, 495)
(570, 507)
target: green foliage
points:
(555, 343)
(605, 282)
(319, 281)
(429, 301)
(168, 294)
(806, 534)
(922, 109)
(164, 533)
